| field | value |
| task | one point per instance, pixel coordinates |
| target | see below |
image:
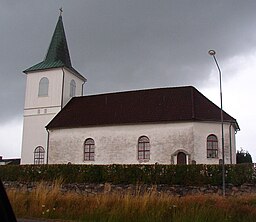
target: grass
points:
(51, 203)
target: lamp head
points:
(211, 52)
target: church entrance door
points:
(181, 158)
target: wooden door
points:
(181, 158)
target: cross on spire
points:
(61, 11)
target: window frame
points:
(212, 146)
(39, 155)
(89, 149)
(143, 149)
(43, 89)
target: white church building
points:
(177, 125)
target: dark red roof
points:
(141, 106)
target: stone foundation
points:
(173, 190)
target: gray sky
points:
(133, 44)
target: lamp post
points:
(213, 53)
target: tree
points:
(243, 156)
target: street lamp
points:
(213, 53)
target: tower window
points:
(43, 87)
(72, 88)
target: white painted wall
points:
(118, 144)
(39, 111)
(34, 134)
(202, 131)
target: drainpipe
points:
(63, 76)
(82, 93)
(47, 148)
(83, 86)
(230, 143)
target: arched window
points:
(89, 149)
(143, 148)
(212, 146)
(43, 87)
(39, 155)
(72, 88)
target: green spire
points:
(57, 54)
(58, 49)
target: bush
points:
(243, 156)
(186, 175)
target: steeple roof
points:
(58, 49)
(58, 54)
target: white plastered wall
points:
(118, 144)
(202, 131)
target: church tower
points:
(50, 85)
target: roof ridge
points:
(139, 90)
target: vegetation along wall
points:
(187, 175)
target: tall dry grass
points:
(50, 202)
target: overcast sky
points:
(134, 44)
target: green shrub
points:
(131, 174)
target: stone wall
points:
(175, 190)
